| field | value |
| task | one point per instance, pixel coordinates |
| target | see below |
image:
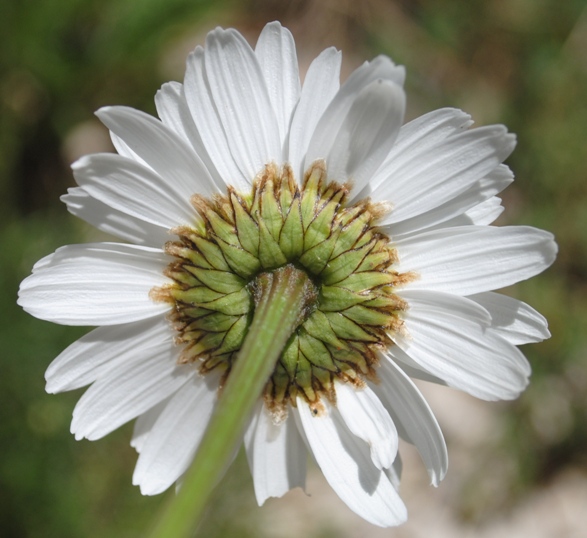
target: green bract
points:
(239, 237)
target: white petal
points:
(242, 101)
(129, 187)
(204, 114)
(439, 303)
(95, 284)
(456, 211)
(144, 423)
(174, 112)
(165, 151)
(122, 148)
(320, 86)
(514, 320)
(418, 137)
(276, 52)
(381, 68)
(482, 214)
(450, 343)
(175, 436)
(346, 463)
(394, 473)
(412, 416)
(365, 417)
(428, 131)
(411, 367)
(367, 133)
(276, 455)
(167, 102)
(472, 259)
(112, 221)
(438, 173)
(104, 348)
(146, 378)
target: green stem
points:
(282, 298)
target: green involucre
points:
(218, 263)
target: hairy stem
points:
(282, 299)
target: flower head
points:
(246, 172)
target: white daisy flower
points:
(246, 171)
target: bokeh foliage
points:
(520, 62)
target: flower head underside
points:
(314, 228)
(248, 171)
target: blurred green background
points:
(518, 62)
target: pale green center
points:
(351, 264)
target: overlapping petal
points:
(168, 101)
(320, 86)
(147, 377)
(205, 116)
(276, 53)
(127, 186)
(333, 118)
(276, 455)
(102, 350)
(144, 424)
(416, 138)
(413, 417)
(175, 435)
(95, 284)
(241, 98)
(455, 212)
(161, 148)
(512, 319)
(473, 259)
(174, 112)
(367, 133)
(446, 339)
(365, 417)
(346, 463)
(112, 221)
(482, 214)
(439, 172)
